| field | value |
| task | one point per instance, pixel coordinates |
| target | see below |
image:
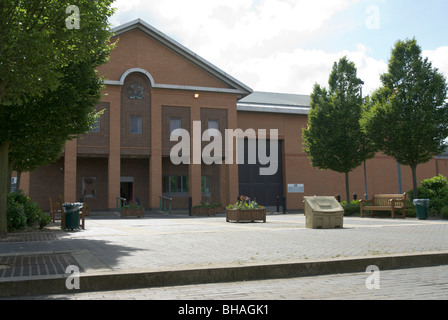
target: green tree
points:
(41, 43)
(36, 143)
(407, 118)
(333, 139)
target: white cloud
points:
(259, 42)
(439, 60)
(299, 70)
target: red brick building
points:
(155, 85)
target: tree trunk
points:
(347, 187)
(8, 179)
(4, 152)
(414, 181)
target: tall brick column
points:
(232, 169)
(155, 160)
(196, 154)
(114, 170)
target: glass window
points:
(213, 124)
(136, 125)
(165, 184)
(175, 123)
(185, 184)
(205, 184)
(175, 185)
(96, 127)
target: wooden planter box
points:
(203, 211)
(219, 209)
(246, 215)
(126, 212)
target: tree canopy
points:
(48, 82)
(407, 118)
(333, 139)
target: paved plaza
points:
(175, 250)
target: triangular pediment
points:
(166, 62)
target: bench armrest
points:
(366, 201)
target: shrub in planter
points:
(245, 210)
(204, 208)
(132, 210)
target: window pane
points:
(165, 184)
(96, 127)
(136, 125)
(205, 184)
(213, 124)
(175, 184)
(185, 184)
(175, 123)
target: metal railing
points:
(163, 203)
(120, 203)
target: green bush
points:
(351, 209)
(133, 205)
(444, 212)
(15, 216)
(23, 213)
(436, 190)
(411, 209)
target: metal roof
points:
(274, 102)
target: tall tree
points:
(333, 139)
(39, 40)
(38, 142)
(407, 117)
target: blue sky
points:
(289, 45)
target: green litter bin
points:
(72, 215)
(422, 208)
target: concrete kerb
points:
(109, 281)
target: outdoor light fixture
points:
(196, 95)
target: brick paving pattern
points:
(408, 284)
(35, 265)
(177, 242)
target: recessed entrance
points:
(127, 188)
(264, 189)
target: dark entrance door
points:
(264, 189)
(127, 191)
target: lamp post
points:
(400, 188)
(366, 194)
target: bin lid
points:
(323, 204)
(421, 202)
(71, 207)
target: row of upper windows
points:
(136, 124)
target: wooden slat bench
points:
(385, 202)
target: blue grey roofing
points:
(276, 99)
